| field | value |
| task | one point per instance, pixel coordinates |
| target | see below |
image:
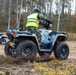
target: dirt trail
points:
(20, 67)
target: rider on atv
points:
(33, 22)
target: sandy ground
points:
(72, 47)
(2, 49)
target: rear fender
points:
(27, 37)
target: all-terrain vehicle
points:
(25, 44)
(2, 39)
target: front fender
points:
(57, 38)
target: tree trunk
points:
(19, 18)
(9, 14)
(75, 7)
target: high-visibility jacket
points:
(32, 20)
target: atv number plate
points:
(11, 44)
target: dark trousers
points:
(36, 31)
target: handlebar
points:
(46, 23)
(50, 22)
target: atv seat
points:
(23, 32)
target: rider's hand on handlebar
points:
(50, 25)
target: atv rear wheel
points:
(9, 51)
(27, 49)
(61, 51)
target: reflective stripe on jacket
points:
(32, 20)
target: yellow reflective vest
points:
(32, 20)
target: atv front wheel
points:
(27, 49)
(9, 51)
(61, 51)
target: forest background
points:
(13, 13)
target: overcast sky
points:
(72, 7)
